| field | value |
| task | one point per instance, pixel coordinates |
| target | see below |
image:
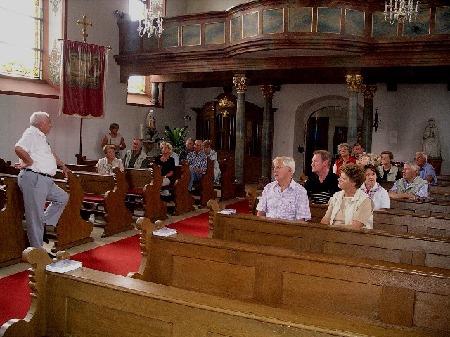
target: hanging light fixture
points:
(400, 10)
(152, 23)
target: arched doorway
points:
(320, 123)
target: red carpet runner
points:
(120, 257)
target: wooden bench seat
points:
(87, 303)
(414, 224)
(13, 235)
(380, 293)
(154, 207)
(205, 186)
(424, 208)
(110, 191)
(314, 237)
(227, 179)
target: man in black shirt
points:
(322, 183)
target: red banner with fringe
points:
(83, 79)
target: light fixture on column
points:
(376, 120)
(152, 23)
(400, 10)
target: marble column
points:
(267, 136)
(367, 124)
(240, 82)
(354, 83)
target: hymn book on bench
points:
(63, 266)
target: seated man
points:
(411, 186)
(358, 150)
(427, 171)
(189, 148)
(136, 158)
(284, 198)
(197, 161)
(322, 183)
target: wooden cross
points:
(84, 30)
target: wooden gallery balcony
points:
(292, 41)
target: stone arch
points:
(302, 114)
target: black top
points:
(166, 166)
(318, 192)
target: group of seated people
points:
(195, 153)
(353, 194)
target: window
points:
(141, 91)
(21, 48)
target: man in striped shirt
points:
(322, 183)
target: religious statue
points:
(431, 144)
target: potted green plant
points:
(176, 137)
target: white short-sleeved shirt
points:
(35, 143)
(290, 204)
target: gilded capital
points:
(240, 82)
(368, 90)
(353, 82)
(268, 90)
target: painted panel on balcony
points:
(215, 33)
(251, 23)
(300, 19)
(382, 27)
(442, 20)
(170, 37)
(354, 22)
(272, 21)
(149, 42)
(419, 25)
(328, 20)
(191, 35)
(236, 28)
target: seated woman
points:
(166, 162)
(350, 207)
(372, 188)
(344, 153)
(386, 170)
(107, 164)
(212, 155)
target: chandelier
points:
(400, 10)
(151, 23)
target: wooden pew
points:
(184, 202)
(81, 167)
(381, 293)
(227, 178)
(72, 230)
(136, 179)
(412, 224)
(7, 168)
(301, 236)
(87, 303)
(154, 207)
(424, 208)
(112, 191)
(13, 235)
(206, 185)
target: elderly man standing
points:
(136, 158)
(322, 183)
(427, 171)
(284, 198)
(38, 165)
(411, 186)
(197, 161)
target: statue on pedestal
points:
(431, 144)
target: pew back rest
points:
(315, 237)
(317, 284)
(138, 178)
(96, 184)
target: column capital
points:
(368, 90)
(240, 82)
(268, 90)
(353, 82)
